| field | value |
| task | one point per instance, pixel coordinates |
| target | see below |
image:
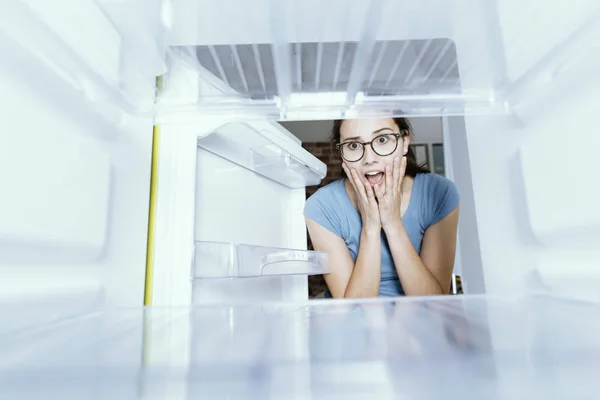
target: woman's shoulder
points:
(436, 183)
(324, 206)
(329, 192)
(439, 197)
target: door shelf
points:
(231, 260)
(262, 148)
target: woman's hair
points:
(412, 168)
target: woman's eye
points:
(353, 146)
(382, 139)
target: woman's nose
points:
(370, 155)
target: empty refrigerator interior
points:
(516, 87)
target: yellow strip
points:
(148, 285)
(152, 218)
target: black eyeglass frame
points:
(402, 133)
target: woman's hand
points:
(390, 196)
(366, 202)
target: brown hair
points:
(412, 168)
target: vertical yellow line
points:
(148, 284)
(152, 218)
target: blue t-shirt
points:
(433, 197)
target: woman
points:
(389, 227)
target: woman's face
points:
(372, 166)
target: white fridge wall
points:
(559, 176)
(237, 205)
(521, 216)
(234, 204)
(457, 159)
(536, 192)
(527, 40)
(74, 203)
(49, 165)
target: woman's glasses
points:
(382, 145)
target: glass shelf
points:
(309, 59)
(304, 59)
(265, 152)
(535, 347)
(229, 260)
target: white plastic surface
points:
(230, 260)
(266, 152)
(108, 51)
(46, 301)
(454, 347)
(306, 59)
(533, 177)
(270, 215)
(309, 59)
(199, 194)
(74, 172)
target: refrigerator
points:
(152, 238)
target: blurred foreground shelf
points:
(536, 347)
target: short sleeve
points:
(320, 207)
(442, 198)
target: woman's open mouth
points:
(375, 178)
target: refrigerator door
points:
(241, 183)
(225, 180)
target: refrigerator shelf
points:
(230, 260)
(265, 149)
(455, 347)
(302, 59)
(309, 59)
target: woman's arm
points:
(431, 273)
(346, 278)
